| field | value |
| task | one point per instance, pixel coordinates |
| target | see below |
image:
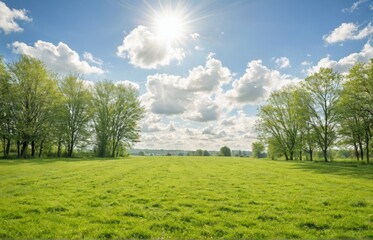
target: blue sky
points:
(202, 67)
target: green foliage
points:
(200, 152)
(116, 114)
(141, 153)
(184, 197)
(225, 151)
(283, 121)
(257, 149)
(36, 111)
(356, 109)
(34, 97)
(75, 113)
(324, 88)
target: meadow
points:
(184, 197)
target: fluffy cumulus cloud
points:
(145, 49)
(61, 58)
(348, 31)
(283, 62)
(177, 135)
(257, 83)
(345, 63)
(207, 78)
(165, 94)
(128, 83)
(9, 16)
(193, 96)
(204, 109)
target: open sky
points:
(202, 67)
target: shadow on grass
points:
(52, 160)
(357, 170)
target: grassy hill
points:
(184, 197)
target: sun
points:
(169, 27)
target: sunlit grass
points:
(184, 197)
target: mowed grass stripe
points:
(184, 197)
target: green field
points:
(184, 197)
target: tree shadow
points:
(357, 170)
(53, 160)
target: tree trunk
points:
(286, 157)
(311, 154)
(24, 149)
(367, 147)
(59, 148)
(41, 148)
(7, 149)
(4, 147)
(356, 151)
(325, 153)
(361, 151)
(71, 149)
(18, 149)
(33, 148)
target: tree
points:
(206, 153)
(283, 119)
(76, 111)
(34, 97)
(355, 106)
(324, 87)
(6, 119)
(199, 152)
(225, 151)
(141, 153)
(117, 112)
(257, 148)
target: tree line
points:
(39, 110)
(326, 111)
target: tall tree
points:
(324, 88)
(34, 99)
(6, 119)
(76, 111)
(117, 112)
(356, 105)
(283, 118)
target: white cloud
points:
(129, 84)
(305, 63)
(89, 57)
(60, 58)
(209, 77)
(348, 31)
(9, 16)
(195, 36)
(344, 64)
(165, 96)
(257, 83)
(204, 109)
(145, 50)
(151, 123)
(210, 136)
(193, 96)
(354, 6)
(282, 62)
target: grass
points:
(184, 197)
